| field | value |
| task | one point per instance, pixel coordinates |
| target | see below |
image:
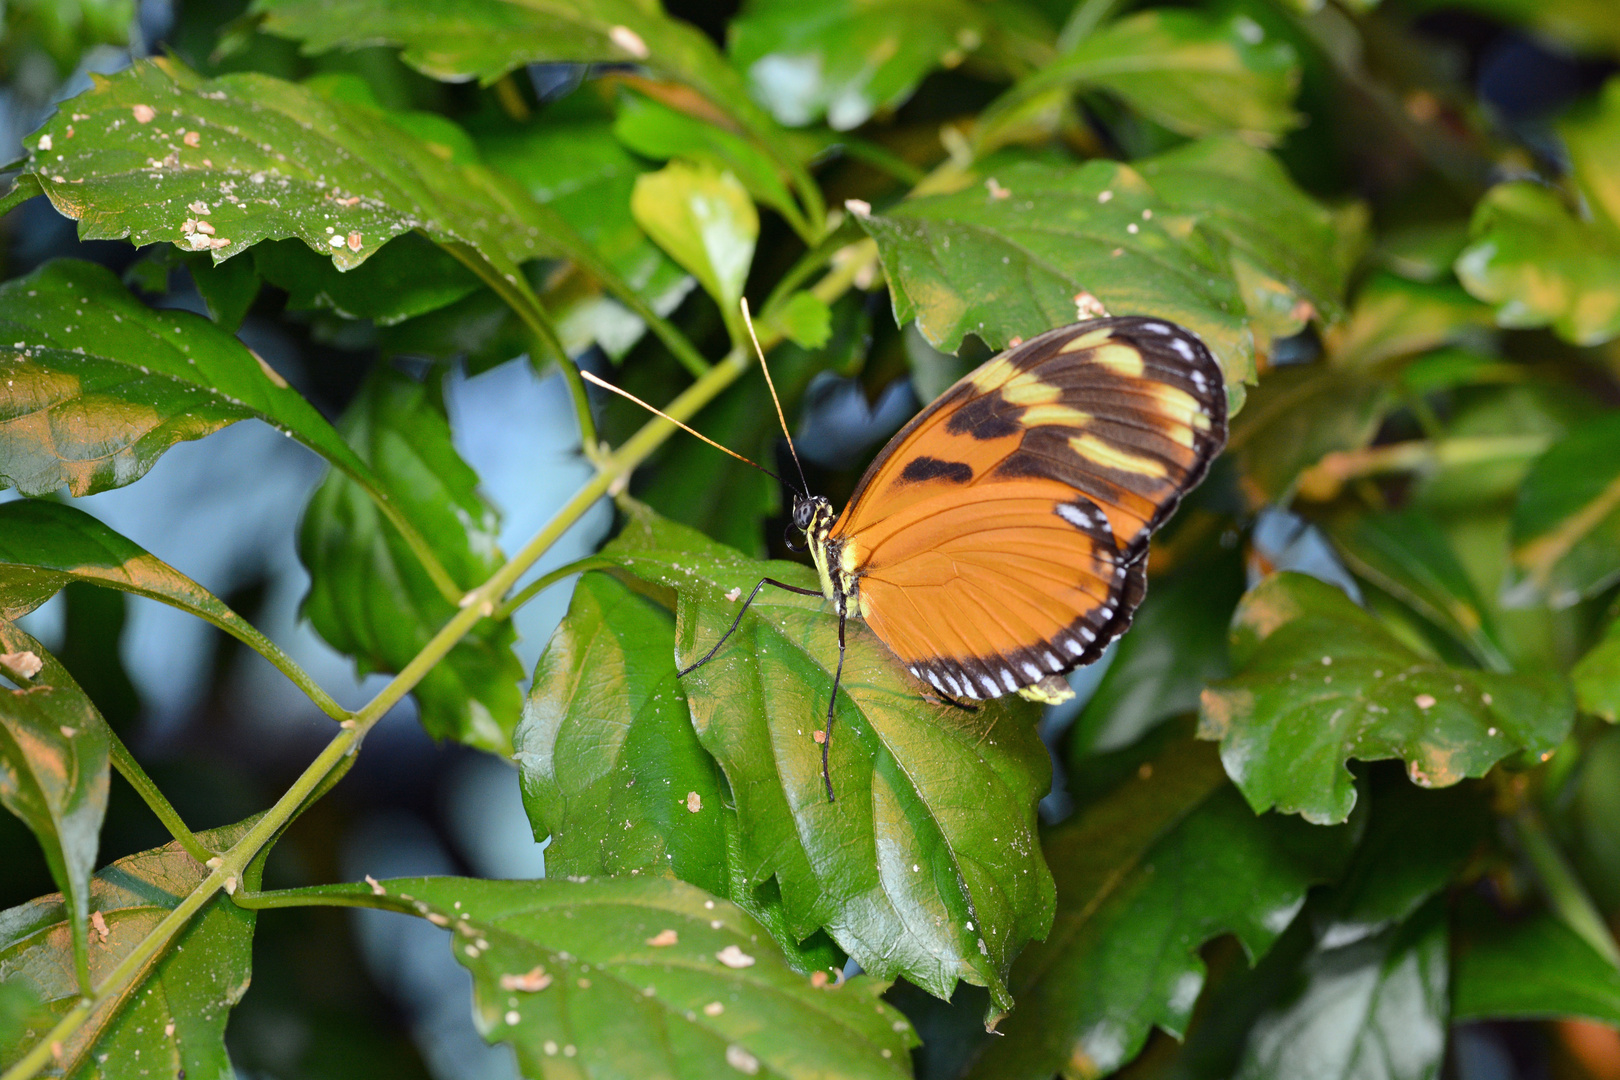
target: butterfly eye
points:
(801, 513)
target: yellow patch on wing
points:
(1123, 360)
(1087, 341)
(1109, 456)
(1183, 408)
(1061, 415)
(992, 374)
(1029, 389)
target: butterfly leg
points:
(946, 699)
(738, 620)
(826, 736)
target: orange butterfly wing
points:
(999, 538)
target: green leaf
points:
(1533, 969)
(1376, 1008)
(172, 1019)
(647, 977)
(656, 130)
(369, 598)
(575, 165)
(53, 777)
(461, 39)
(44, 546)
(1407, 555)
(928, 863)
(1011, 258)
(1319, 681)
(1194, 73)
(1302, 412)
(1169, 861)
(1178, 645)
(1285, 246)
(408, 276)
(844, 60)
(706, 222)
(101, 385)
(262, 159)
(606, 748)
(228, 288)
(1540, 265)
(1597, 676)
(1566, 522)
(804, 320)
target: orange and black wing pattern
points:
(1000, 537)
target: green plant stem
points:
(541, 584)
(475, 605)
(131, 770)
(1085, 18)
(1565, 893)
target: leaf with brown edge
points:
(1319, 681)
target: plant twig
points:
(131, 770)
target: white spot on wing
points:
(989, 684)
(1074, 515)
(1032, 671)
(1181, 348)
(1072, 647)
(933, 678)
(1052, 661)
(1157, 328)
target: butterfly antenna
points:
(588, 377)
(749, 322)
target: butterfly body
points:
(999, 539)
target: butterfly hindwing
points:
(999, 537)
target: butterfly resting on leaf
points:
(999, 540)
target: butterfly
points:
(999, 540)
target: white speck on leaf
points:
(733, 957)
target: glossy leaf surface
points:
(1010, 258)
(1376, 1008)
(928, 864)
(101, 385)
(703, 218)
(53, 775)
(1167, 862)
(1319, 681)
(173, 1018)
(369, 597)
(843, 60)
(1195, 73)
(607, 749)
(646, 977)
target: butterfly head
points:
(813, 516)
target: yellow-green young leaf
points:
(845, 59)
(705, 220)
(53, 777)
(645, 977)
(1566, 523)
(1597, 676)
(1319, 681)
(99, 385)
(172, 1020)
(370, 598)
(1147, 875)
(1540, 262)
(928, 865)
(1540, 265)
(1194, 73)
(804, 320)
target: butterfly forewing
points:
(999, 537)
